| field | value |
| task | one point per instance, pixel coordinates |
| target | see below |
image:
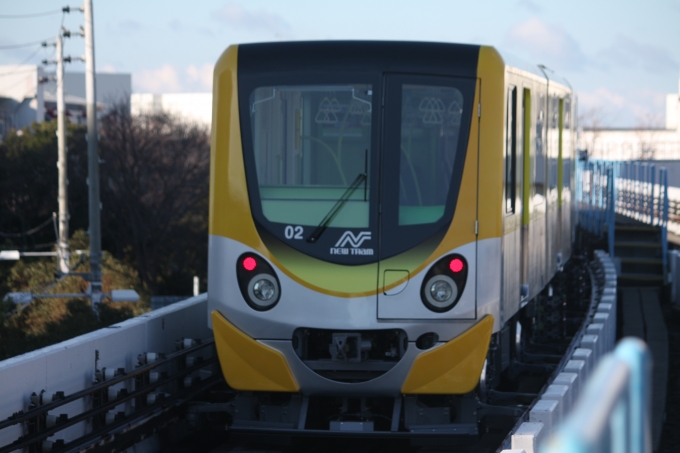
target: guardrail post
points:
(664, 223)
(635, 354)
(611, 210)
(613, 413)
(652, 177)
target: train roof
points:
(359, 56)
(368, 56)
(513, 61)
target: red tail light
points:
(249, 263)
(456, 265)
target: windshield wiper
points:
(316, 234)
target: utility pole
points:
(62, 165)
(92, 162)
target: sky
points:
(621, 56)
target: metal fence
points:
(637, 190)
(613, 413)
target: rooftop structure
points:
(28, 93)
(194, 107)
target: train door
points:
(512, 213)
(426, 126)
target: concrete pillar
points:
(571, 381)
(527, 437)
(546, 412)
(559, 393)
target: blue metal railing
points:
(607, 188)
(613, 413)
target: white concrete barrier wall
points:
(69, 366)
(599, 338)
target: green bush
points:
(47, 321)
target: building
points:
(645, 143)
(193, 107)
(28, 93)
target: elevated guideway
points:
(105, 384)
(115, 387)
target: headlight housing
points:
(258, 282)
(444, 283)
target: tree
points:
(154, 191)
(47, 321)
(592, 123)
(647, 131)
(28, 184)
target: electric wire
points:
(18, 71)
(29, 232)
(28, 16)
(18, 46)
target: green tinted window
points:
(430, 124)
(312, 146)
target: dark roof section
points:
(360, 56)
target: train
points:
(381, 213)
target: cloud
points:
(531, 6)
(624, 107)
(549, 44)
(599, 97)
(202, 76)
(176, 25)
(626, 52)
(205, 31)
(236, 15)
(162, 80)
(129, 25)
(108, 68)
(171, 79)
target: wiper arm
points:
(316, 234)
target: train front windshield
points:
(311, 146)
(313, 151)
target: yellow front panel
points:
(491, 71)
(230, 214)
(231, 217)
(453, 368)
(248, 364)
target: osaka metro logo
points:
(348, 238)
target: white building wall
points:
(672, 110)
(27, 94)
(194, 107)
(631, 144)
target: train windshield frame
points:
(316, 175)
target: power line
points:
(29, 232)
(16, 70)
(27, 16)
(28, 44)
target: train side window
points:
(566, 130)
(511, 151)
(540, 159)
(553, 130)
